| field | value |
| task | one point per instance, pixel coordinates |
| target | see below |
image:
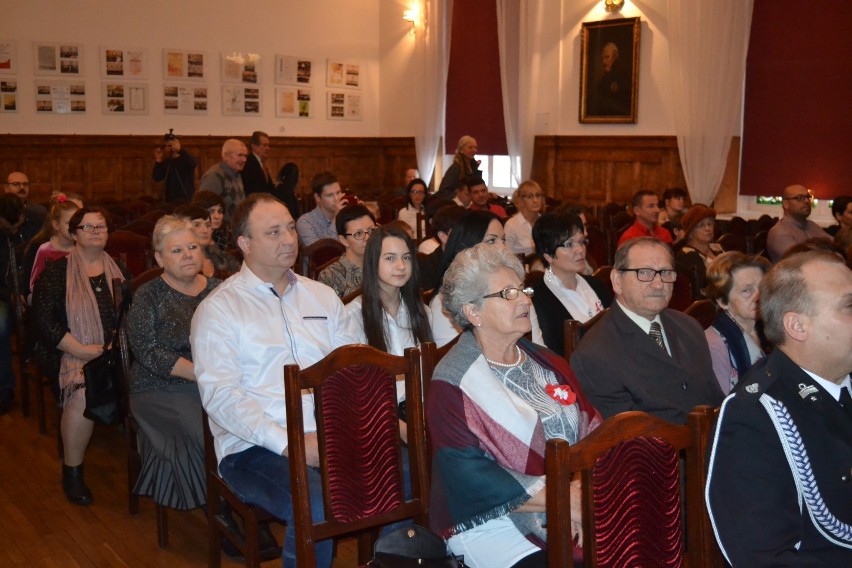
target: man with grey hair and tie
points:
(642, 355)
(224, 178)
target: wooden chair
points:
(596, 250)
(141, 226)
(682, 294)
(758, 243)
(218, 527)
(131, 427)
(733, 241)
(132, 249)
(702, 310)
(631, 469)
(317, 254)
(351, 296)
(360, 450)
(603, 275)
(575, 330)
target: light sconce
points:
(412, 16)
(240, 59)
(613, 5)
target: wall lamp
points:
(613, 5)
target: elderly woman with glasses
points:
(529, 199)
(494, 400)
(73, 316)
(354, 223)
(564, 292)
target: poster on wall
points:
(291, 70)
(240, 101)
(184, 99)
(58, 59)
(292, 102)
(124, 98)
(8, 57)
(237, 68)
(184, 64)
(8, 95)
(343, 74)
(60, 97)
(344, 106)
(127, 63)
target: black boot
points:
(75, 486)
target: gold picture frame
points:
(609, 71)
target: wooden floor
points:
(38, 527)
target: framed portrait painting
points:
(609, 71)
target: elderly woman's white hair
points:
(466, 279)
(166, 225)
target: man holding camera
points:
(176, 168)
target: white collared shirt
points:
(445, 330)
(581, 303)
(242, 336)
(519, 235)
(645, 324)
(834, 389)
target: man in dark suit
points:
(255, 174)
(779, 484)
(641, 355)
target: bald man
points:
(224, 178)
(794, 227)
(18, 184)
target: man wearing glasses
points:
(641, 355)
(794, 227)
(19, 184)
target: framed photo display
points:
(61, 59)
(237, 68)
(125, 63)
(344, 106)
(292, 70)
(60, 97)
(184, 99)
(184, 65)
(124, 98)
(341, 73)
(238, 100)
(8, 57)
(293, 102)
(8, 95)
(609, 71)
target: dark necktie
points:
(846, 401)
(656, 334)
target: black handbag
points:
(412, 546)
(106, 401)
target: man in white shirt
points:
(243, 334)
(779, 484)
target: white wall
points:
(310, 28)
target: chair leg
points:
(214, 534)
(251, 532)
(162, 526)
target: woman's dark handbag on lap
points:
(413, 546)
(105, 396)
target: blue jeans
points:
(260, 477)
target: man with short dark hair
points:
(642, 355)
(646, 209)
(243, 333)
(794, 227)
(224, 178)
(779, 482)
(18, 184)
(480, 197)
(255, 174)
(318, 223)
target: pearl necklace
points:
(515, 364)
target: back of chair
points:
(130, 248)
(733, 241)
(702, 310)
(603, 275)
(575, 330)
(354, 391)
(633, 506)
(317, 254)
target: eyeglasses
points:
(18, 184)
(92, 228)
(800, 198)
(569, 244)
(360, 235)
(511, 293)
(648, 274)
(417, 191)
(533, 195)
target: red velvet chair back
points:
(317, 254)
(354, 390)
(702, 310)
(634, 508)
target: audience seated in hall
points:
(529, 199)
(431, 266)
(641, 355)
(18, 184)
(389, 315)
(354, 223)
(794, 227)
(646, 209)
(224, 179)
(698, 248)
(53, 241)
(242, 335)
(216, 206)
(464, 165)
(564, 292)
(318, 223)
(480, 197)
(673, 205)
(416, 193)
(215, 261)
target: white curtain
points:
(518, 31)
(708, 43)
(433, 46)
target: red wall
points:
(798, 100)
(474, 98)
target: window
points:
(496, 173)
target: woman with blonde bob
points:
(464, 165)
(735, 338)
(494, 401)
(529, 199)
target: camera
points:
(170, 135)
